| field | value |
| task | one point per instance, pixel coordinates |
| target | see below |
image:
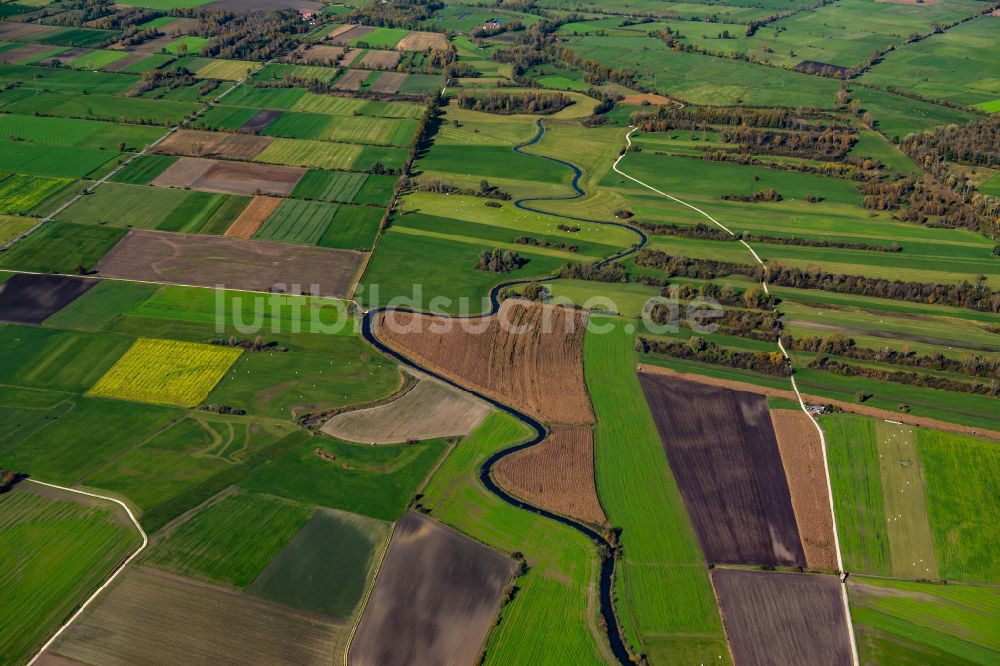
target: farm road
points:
(111, 578)
(802, 404)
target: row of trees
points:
(839, 344)
(499, 261)
(704, 231)
(903, 377)
(613, 272)
(751, 324)
(700, 349)
(508, 104)
(974, 295)
(815, 145)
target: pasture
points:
(353, 228)
(58, 247)
(332, 186)
(298, 222)
(166, 372)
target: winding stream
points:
(615, 638)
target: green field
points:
(298, 222)
(961, 473)
(210, 544)
(353, 228)
(144, 169)
(665, 599)
(552, 613)
(899, 622)
(57, 247)
(55, 552)
(12, 227)
(103, 107)
(378, 482)
(381, 38)
(329, 186)
(327, 566)
(20, 193)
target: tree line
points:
(508, 104)
(700, 349)
(704, 231)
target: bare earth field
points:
(557, 475)
(343, 37)
(198, 143)
(317, 54)
(249, 221)
(430, 409)
(528, 355)
(802, 458)
(389, 82)
(846, 406)
(260, 120)
(120, 64)
(421, 41)
(24, 32)
(351, 80)
(208, 261)
(31, 299)
(381, 59)
(198, 173)
(155, 618)
(724, 455)
(24, 51)
(783, 618)
(434, 599)
(340, 30)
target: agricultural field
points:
(429, 409)
(541, 346)
(166, 371)
(57, 549)
(792, 618)
(431, 569)
(729, 471)
(389, 314)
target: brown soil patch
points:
(208, 261)
(381, 59)
(344, 38)
(24, 52)
(434, 600)
(430, 409)
(636, 100)
(151, 617)
(783, 618)
(180, 26)
(249, 221)
(389, 82)
(68, 54)
(213, 144)
(122, 63)
(528, 355)
(339, 30)
(154, 45)
(421, 41)
(318, 54)
(260, 120)
(557, 474)
(206, 175)
(909, 419)
(724, 456)
(995, 12)
(24, 32)
(351, 80)
(802, 458)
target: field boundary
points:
(111, 578)
(368, 592)
(836, 539)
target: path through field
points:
(802, 404)
(111, 578)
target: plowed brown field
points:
(351, 80)
(783, 618)
(197, 143)
(528, 355)
(249, 221)
(390, 82)
(381, 59)
(802, 458)
(421, 41)
(557, 474)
